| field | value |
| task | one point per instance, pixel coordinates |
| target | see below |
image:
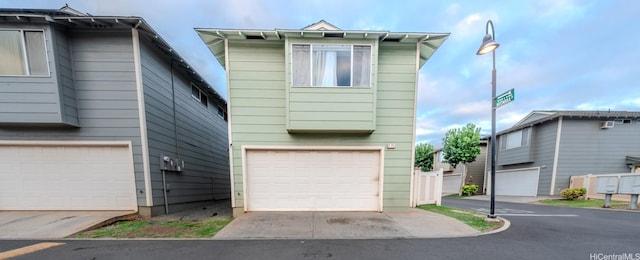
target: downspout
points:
(229, 132)
(556, 154)
(175, 133)
(164, 189)
(175, 120)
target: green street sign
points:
(505, 98)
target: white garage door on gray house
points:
(561, 144)
(67, 176)
(91, 110)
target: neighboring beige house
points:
(321, 119)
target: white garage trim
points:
(246, 148)
(146, 166)
(125, 191)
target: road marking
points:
(539, 215)
(28, 249)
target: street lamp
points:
(489, 44)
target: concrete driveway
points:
(54, 224)
(414, 223)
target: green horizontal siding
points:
(258, 110)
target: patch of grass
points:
(590, 203)
(455, 196)
(158, 229)
(468, 217)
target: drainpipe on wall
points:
(164, 191)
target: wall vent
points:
(606, 124)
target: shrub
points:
(573, 193)
(469, 190)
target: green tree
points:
(424, 156)
(462, 145)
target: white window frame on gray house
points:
(24, 53)
(199, 95)
(349, 65)
(515, 139)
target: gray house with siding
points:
(321, 119)
(539, 154)
(100, 113)
(465, 173)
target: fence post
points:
(586, 183)
(438, 185)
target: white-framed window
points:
(515, 139)
(199, 95)
(330, 65)
(23, 53)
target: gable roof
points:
(69, 17)
(215, 38)
(542, 116)
(321, 25)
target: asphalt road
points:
(537, 232)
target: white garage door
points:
(312, 180)
(522, 182)
(66, 178)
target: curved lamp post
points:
(489, 44)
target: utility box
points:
(607, 184)
(629, 185)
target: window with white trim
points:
(330, 65)
(23, 53)
(515, 139)
(199, 95)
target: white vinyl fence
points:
(428, 187)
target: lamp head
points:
(488, 45)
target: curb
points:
(504, 227)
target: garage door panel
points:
(517, 182)
(312, 180)
(67, 178)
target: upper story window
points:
(199, 95)
(330, 65)
(515, 139)
(23, 53)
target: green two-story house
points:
(321, 119)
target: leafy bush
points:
(573, 193)
(469, 190)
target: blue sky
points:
(557, 54)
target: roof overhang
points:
(214, 38)
(632, 160)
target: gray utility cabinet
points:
(607, 184)
(629, 185)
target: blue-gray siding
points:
(200, 138)
(586, 148)
(64, 69)
(34, 99)
(105, 97)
